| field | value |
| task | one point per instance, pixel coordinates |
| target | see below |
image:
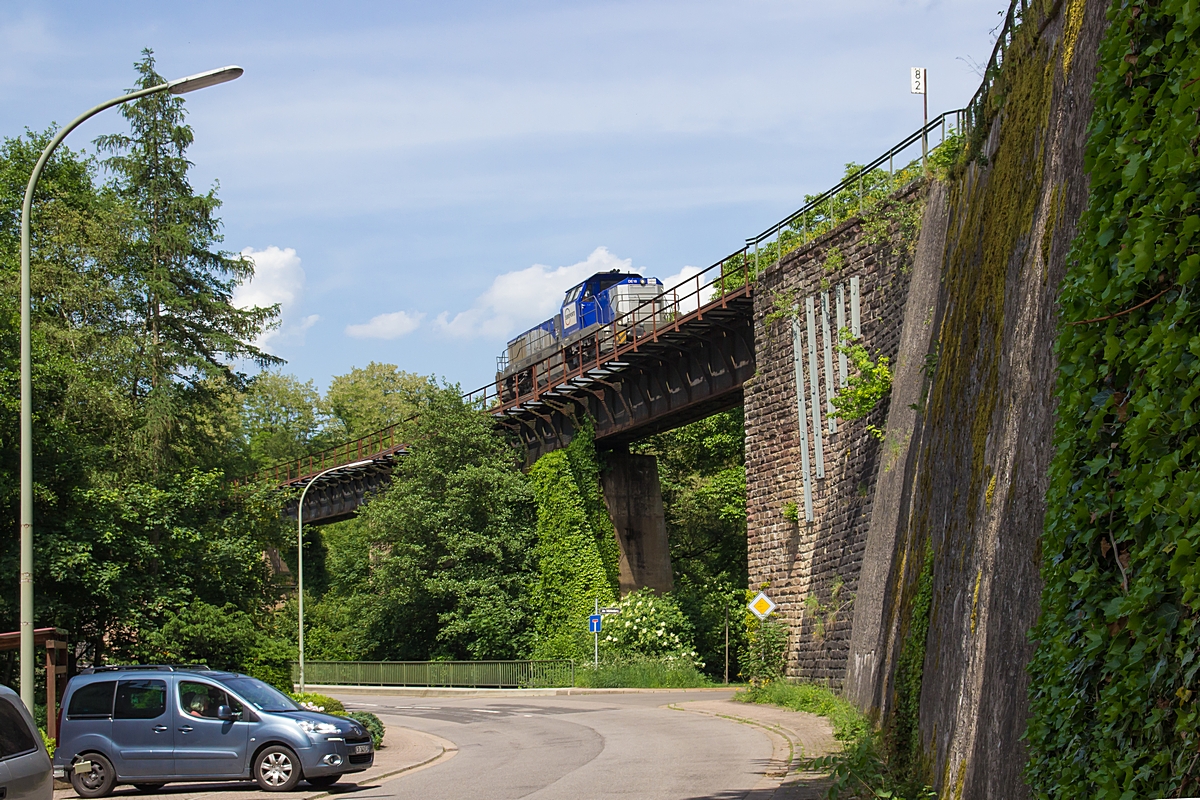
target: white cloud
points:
(278, 278)
(687, 294)
(520, 299)
(386, 326)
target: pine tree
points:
(186, 334)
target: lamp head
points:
(202, 80)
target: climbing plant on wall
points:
(1114, 677)
(572, 574)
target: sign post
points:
(594, 622)
(920, 85)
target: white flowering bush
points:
(650, 626)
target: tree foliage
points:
(134, 392)
(448, 546)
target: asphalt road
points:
(594, 746)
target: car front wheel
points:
(277, 769)
(99, 781)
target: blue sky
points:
(417, 182)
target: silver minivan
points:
(151, 725)
(24, 762)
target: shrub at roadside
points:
(640, 673)
(765, 658)
(312, 701)
(369, 721)
(650, 627)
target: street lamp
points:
(178, 86)
(300, 552)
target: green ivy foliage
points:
(585, 467)
(571, 570)
(868, 383)
(1113, 689)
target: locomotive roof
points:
(611, 277)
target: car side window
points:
(141, 699)
(202, 700)
(15, 736)
(94, 701)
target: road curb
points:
(449, 751)
(421, 691)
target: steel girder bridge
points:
(671, 361)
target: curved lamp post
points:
(300, 552)
(178, 86)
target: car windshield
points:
(260, 695)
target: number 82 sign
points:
(918, 80)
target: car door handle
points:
(160, 728)
(185, 729)
(3, 792)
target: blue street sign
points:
(594, 623)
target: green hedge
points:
(1114, 676)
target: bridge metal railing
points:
(447, 674)
(716, 284)
(374, 445)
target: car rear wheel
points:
(277, 769)
(323, 780)
(148, 787)
(99, 781)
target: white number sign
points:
(918, 80)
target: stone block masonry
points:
(854, 277)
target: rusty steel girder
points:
(680, 376)
(338, 495)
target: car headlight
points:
(308, 726)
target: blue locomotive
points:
(595, 316)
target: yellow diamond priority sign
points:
(761, 606)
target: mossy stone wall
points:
(978, 495)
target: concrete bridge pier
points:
(634, 499)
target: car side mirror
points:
(224, 712)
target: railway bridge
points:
(676, 359)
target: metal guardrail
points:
(374, 445)
(452, 674)
(688, 299)
(594, 354)
(978, 112)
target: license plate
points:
(361, 749)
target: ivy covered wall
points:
(576, 550)
(1114, 689)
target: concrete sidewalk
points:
(404, 750)
(794, 735)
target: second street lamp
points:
(300, 553)
(178, 86)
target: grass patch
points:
(860, 769)
(849, 725)
(640, 674)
